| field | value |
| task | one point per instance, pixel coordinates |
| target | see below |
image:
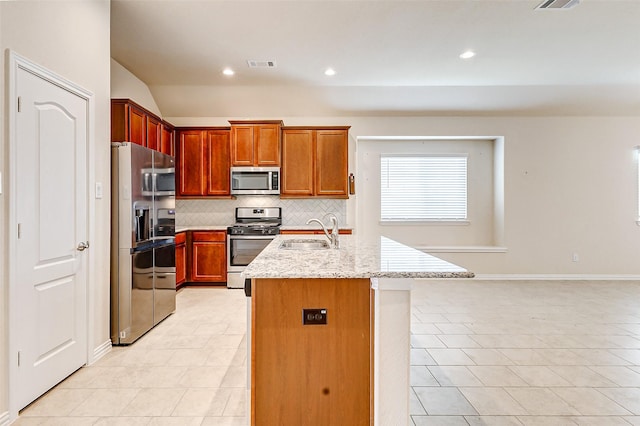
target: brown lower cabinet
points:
(181, 258)
(311, 374)
(201, 257)
(208, 256)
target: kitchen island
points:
(329, 334)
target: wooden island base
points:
(312, 374)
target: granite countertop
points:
(184, 228)
(356, 258)
(201, 228)
(313, 227)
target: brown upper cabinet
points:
(131, 122)
(128, 122)
(255, 143)
(167, 136)
(203, 162)
(315, 162)
(154, 131)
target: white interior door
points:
(49, 286)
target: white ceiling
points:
(392, 57)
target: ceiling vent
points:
(558, 4)
(261, 64)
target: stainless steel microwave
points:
(160, 182)
(255, 180)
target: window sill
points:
(424, 223)
(462, 249)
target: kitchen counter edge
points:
(354, 259)
(200, 228)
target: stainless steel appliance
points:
(143, 268)
(255, 180)
(159, 181)
(254, 229)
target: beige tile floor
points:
(525, 353)
(483, 353)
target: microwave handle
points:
(154, 182)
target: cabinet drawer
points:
(209, 236)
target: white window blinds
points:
(423, 188)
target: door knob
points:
(82, 245)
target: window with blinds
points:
(423, 187)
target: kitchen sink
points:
(302, 244)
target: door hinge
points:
(18, 358)
(19, 103)
(19, 230)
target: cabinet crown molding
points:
(316, 127)
(251, 122)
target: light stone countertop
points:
(184, 228)
(313, 227)
(356, 258)
(201, 228)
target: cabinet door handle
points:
(82, 245)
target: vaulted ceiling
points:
(391, 57)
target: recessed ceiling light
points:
(468, 54)
(228, 71)
(329, 71)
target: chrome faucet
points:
(333, 236)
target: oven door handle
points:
(251, 237)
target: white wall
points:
(125, 85)
(70, 38)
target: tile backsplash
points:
(222, 212)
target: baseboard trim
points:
(4, 419)
(558, 277)
(101, 351)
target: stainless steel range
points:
(254, 229)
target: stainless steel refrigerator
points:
(143, 268)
